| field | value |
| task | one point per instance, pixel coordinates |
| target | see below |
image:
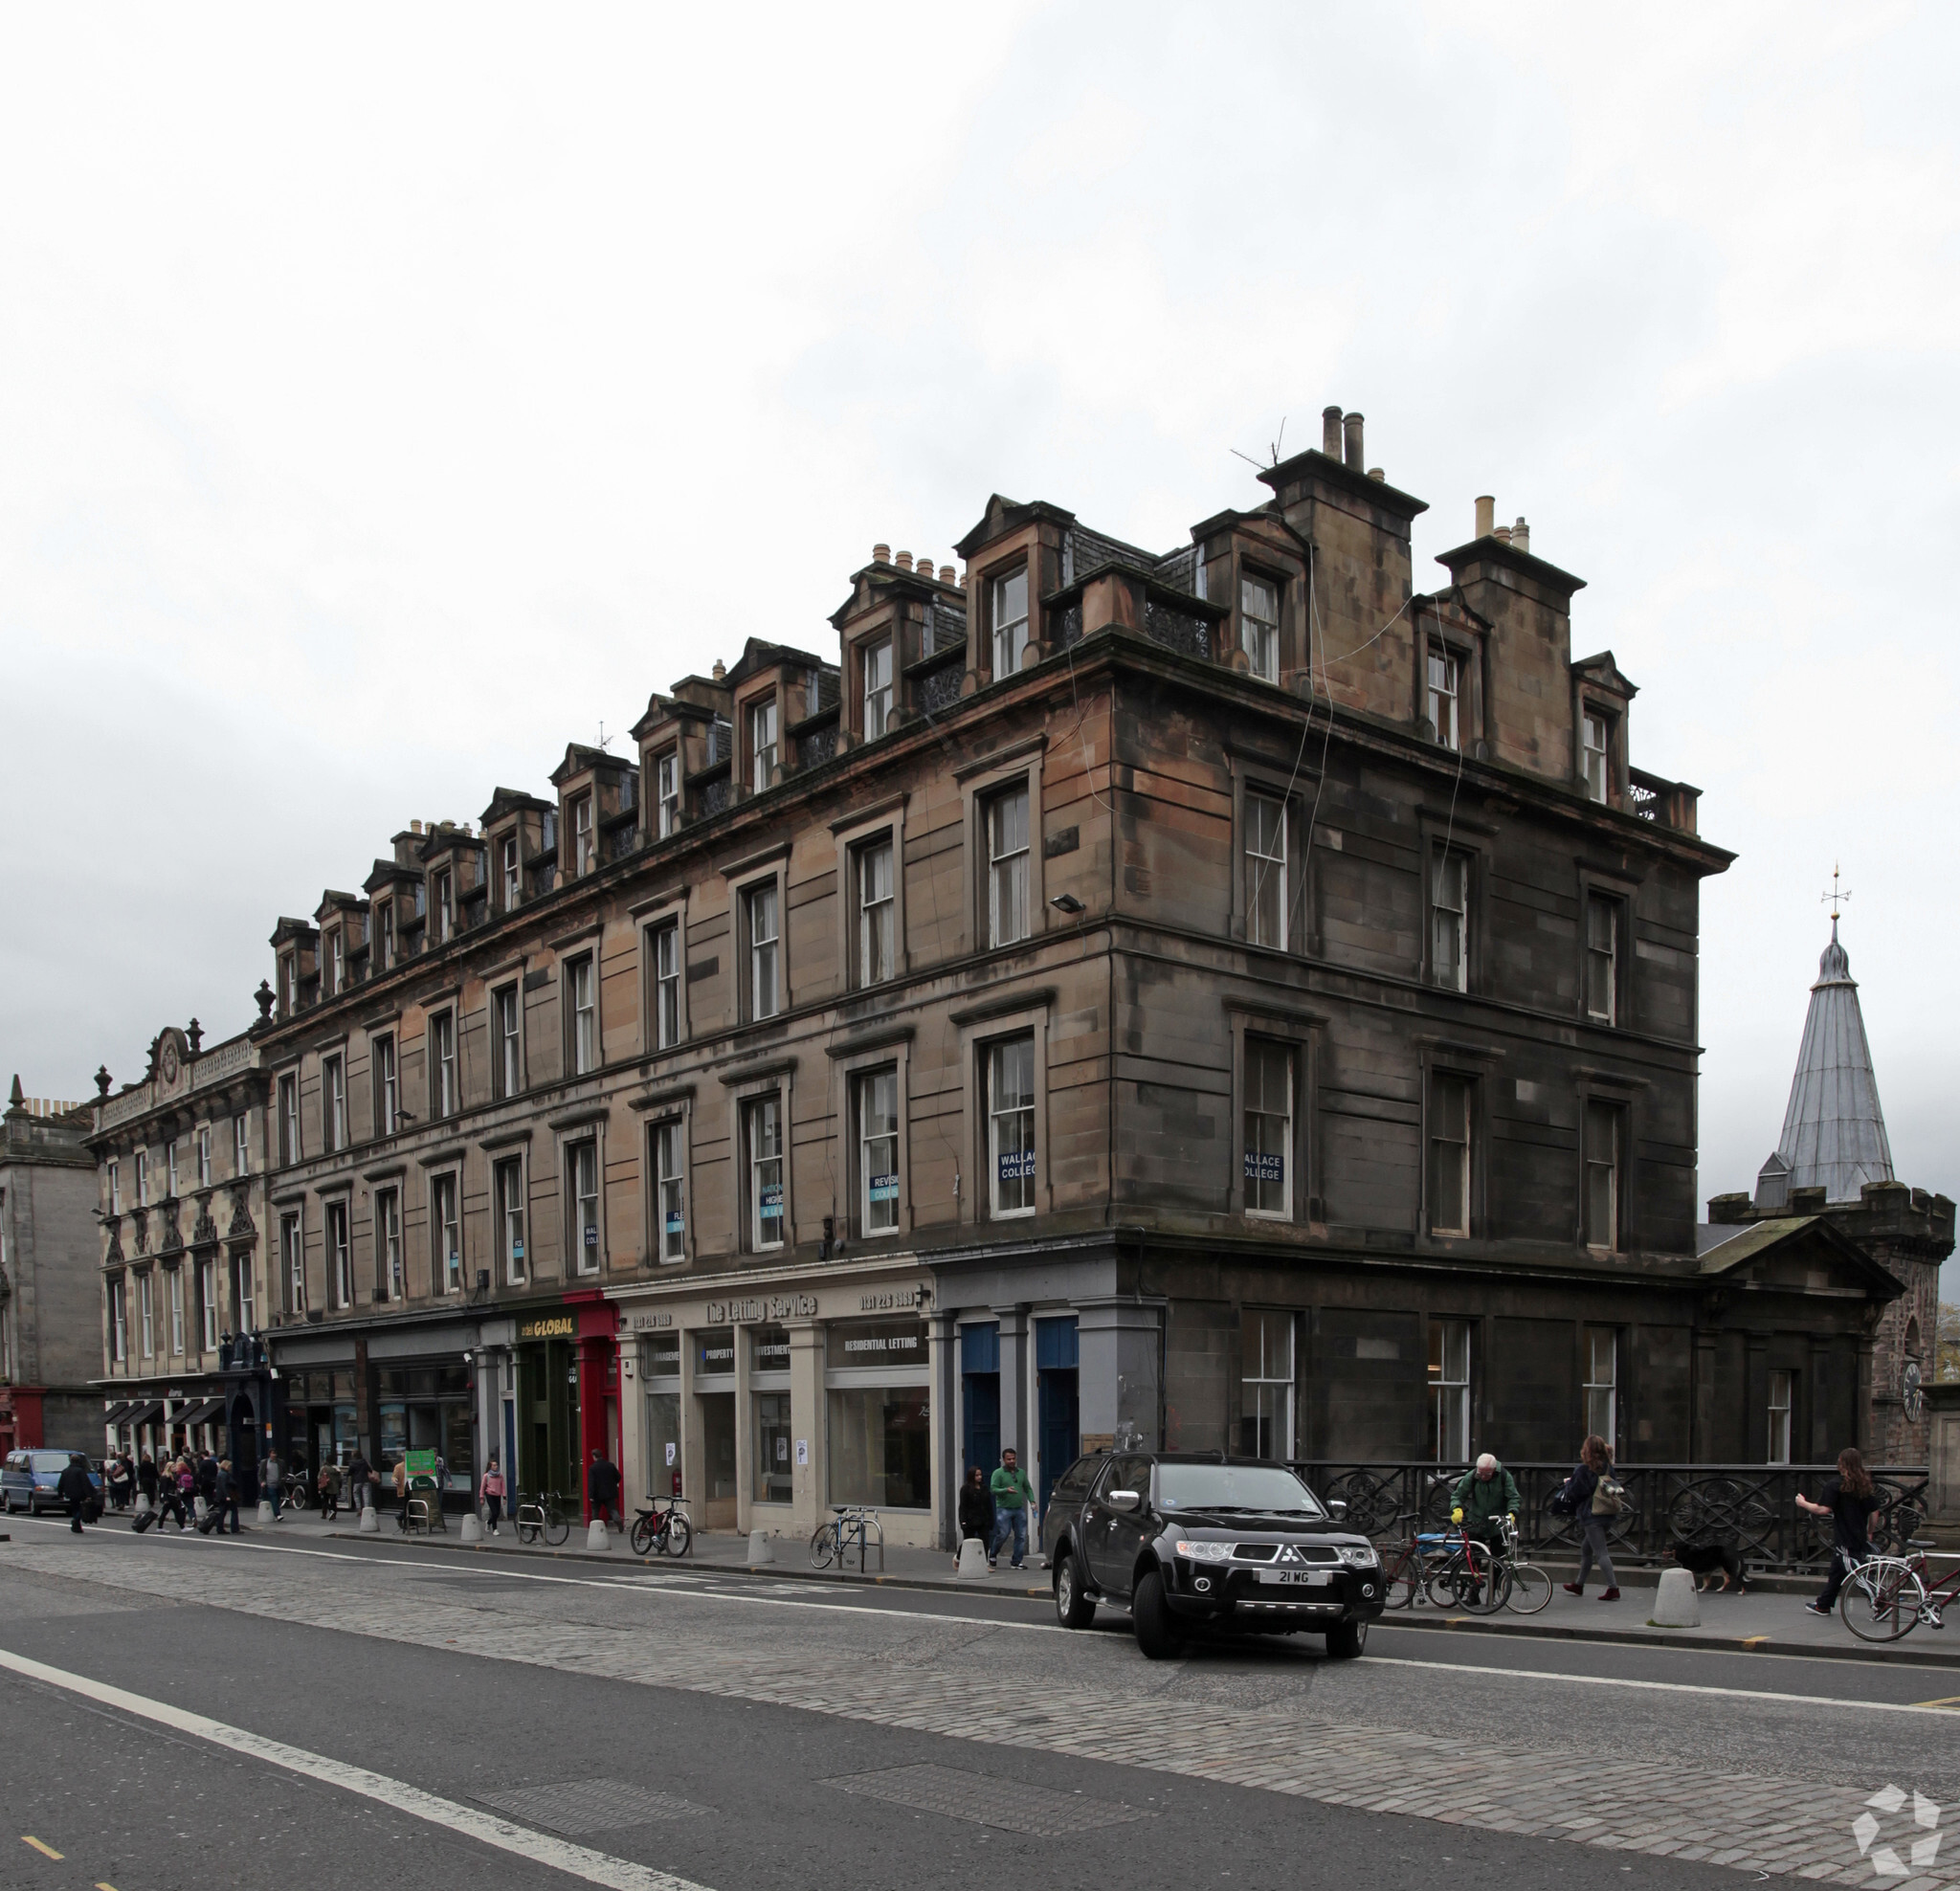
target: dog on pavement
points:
(1703, 1558)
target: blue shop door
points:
(980, 1397)
(1055, 1358)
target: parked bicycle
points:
(850, 1523)
(1481, 1578)
(658, 1532)
(294, 1492)
(538, 1515)
(1886, 1597)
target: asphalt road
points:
(746, 1790)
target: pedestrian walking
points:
(271, 1479)
(602, 1486)
(492, 1490)
(1849, 1500)
(75, 1489)
(329, 1488)
(146, 1479)
(1591, 1498)
(171, 1498)
(976, 1512)
(401, 1495)
(224, 1496)
(360, 1472)
(1014, 1498)
(119, 1479)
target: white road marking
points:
(559, 1854)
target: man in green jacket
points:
(1484, 1496)
(1013, 1499)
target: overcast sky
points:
(387, 398)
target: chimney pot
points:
(1350, 428)
(948, 575)
(415, 826)
(1520, 535)
(1377, 473)
(1503, 535)
(719, 671)
(1330, 432)
(903, 561)
(1487, 515)
(881, 554)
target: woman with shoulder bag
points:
(1592, 1497)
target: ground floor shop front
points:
(228, 1414)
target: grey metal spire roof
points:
(1834, 1132)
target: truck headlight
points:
(1205, 1552)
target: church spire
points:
(1833, 1131)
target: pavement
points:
(334, 1707)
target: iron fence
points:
(1750, 1508)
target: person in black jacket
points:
(224, 1495)
(1849, 1500)
(602, 1485)
(976, 1510)
(146, 1479)
(75, 1489)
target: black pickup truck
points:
(1188, 1539)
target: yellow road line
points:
(46, 1851)
(1951, 1701)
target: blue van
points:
(29, 1480)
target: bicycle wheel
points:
(526, 1532)
(823, 1545)
(678, 1537)
(556, 1529)
(1404, 1584)
(1530, 1588)
(642, 1538)
(299, 1497)
(1881, 1604)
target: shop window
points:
(1268, 1158)
(670, 1189)
(1449, 918)
(1449, 1390)
(1782, 1401)
(1009, 596)
(1604, 1139)
(765, 988)
(880, 1446)
(509, 1182)
(877, 911)
(1266, 905)
(762, 1136)
(1011, 1152)
(1258, 619)
(878, 1153)
(446, 1234)
(878, 688)
(582, 1175)
(1265, 1424)
(388, 1244)
(666, 971)
(1006, 866)
(1602, 1383)
(340, 1273)
(775, 1479)
(1449, 1154)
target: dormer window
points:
(384, 935)
(336, 962)
(513, 885)
(762, 744)
(445, 905)
(1445, 695)
(878, 688)
(583, 852)
(667, 793)
(289, 995)
(1596, 733)
(1258, 619)
(1010, 618)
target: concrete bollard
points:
(370, 1520)
(199, 1510)
(473, 1528)
(265, 1510)
(142, 1504)
(972, 1560)
(596, 1535)
(760, 1549)
(1676, 1605)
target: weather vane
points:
(1835, 897)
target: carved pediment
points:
(141, 1224)
(204, 1231)
(241, 1228)
(115, 1253)
(174, 1236)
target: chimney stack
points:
(1487, 515)
(1330, 432)
(719, 671)
(1520, 535)
(1350, 428)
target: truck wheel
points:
(1073, 1610)
(1156, 1629)
(1346, 1640)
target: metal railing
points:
(1749, 1507)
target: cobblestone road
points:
(1760, 1786)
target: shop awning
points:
(201, 1413)
(144, 1414)
(117, 1413)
